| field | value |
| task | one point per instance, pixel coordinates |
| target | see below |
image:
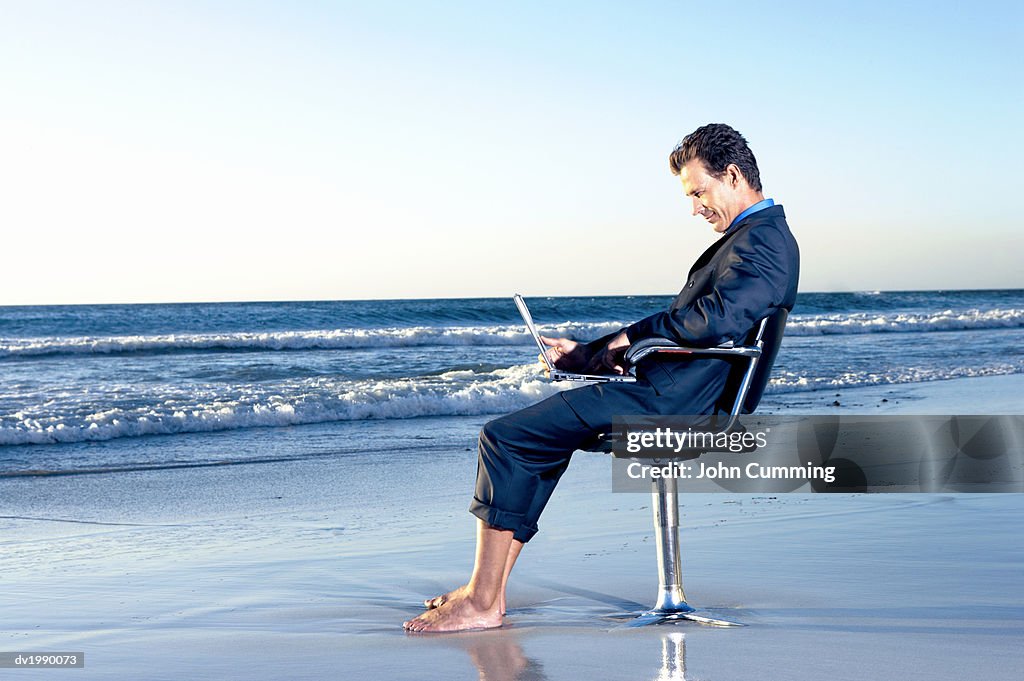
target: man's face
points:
(718, 201)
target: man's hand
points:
(565, 354)
(610, 358)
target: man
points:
(749, 273)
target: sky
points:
(230, 151)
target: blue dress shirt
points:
(760, 205)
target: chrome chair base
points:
(655, 617)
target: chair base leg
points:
(675, 610)
(662, 617)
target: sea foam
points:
(285, 404)
(322, 400)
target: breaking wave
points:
(321, 400)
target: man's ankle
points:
(483, 599)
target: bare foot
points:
(458, 613)
(438, 601)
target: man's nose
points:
(698, 207)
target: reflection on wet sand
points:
(673, 657)
(498, 656)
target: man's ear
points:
(733, 175)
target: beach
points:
(268, 490)
(304, 568)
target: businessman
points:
(748, 273)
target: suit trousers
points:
(523, 455)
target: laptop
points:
(557, 374)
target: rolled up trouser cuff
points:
(525, 533)
(495, 517)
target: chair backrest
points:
(771, 340)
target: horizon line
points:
(490, 297)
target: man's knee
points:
(493, 434)
(547, 430)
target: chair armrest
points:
(667, 349)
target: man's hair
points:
(716, 145)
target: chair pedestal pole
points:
(671, 603)
(665, 504)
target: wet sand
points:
(305, 569)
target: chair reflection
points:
(673, 657)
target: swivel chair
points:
(751, 363)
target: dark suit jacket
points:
(747, 274)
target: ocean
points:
(98, 387)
